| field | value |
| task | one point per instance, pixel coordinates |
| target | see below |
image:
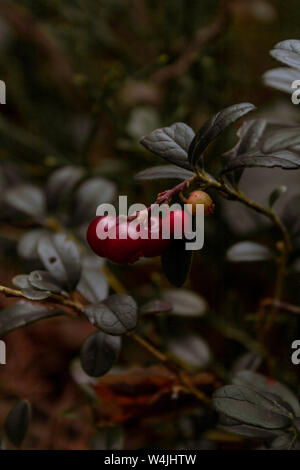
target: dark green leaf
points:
(108, 438)
(21, 281)
(171, 143)
(33, 294)
(91, 261)
(258, 381)
(90, 194)
(21, 314)
(155, 306)
(213, 127)
(17, 422)
(60, 257)
(275, 195)
(176, 263)
(284, 442)
(191, 349)
(287, 52)
(116, 316)
(163, 172)
(248, 251)
(43, 280)
(251, 431)
(282, 139)
(282, 159)
(93, 285)
(252, 407)
(99, 352)
(281, 78)
(27, 246)
(61, 182)
(250, 134)
(185, 302)
(28, 199)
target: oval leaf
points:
(252, 407)
(17, 422)
(281, 78)
(90, 194)
(248, 251)
(99, 352)
(28, 199)
(61, 182)
(116, 316)
(287, 52)
(27, 246)
(213, 127)
(185, 302)
(93, 285)
(60, 257)
(171, 143)
(43, 280)
(190, 349)
(163, 172)
(176, 263)
(21, 314)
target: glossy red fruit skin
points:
(92, 237)
(124, 250)
(179, 222)
(155, 246)
(124, 243)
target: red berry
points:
(156, 245)
(179, 222)
(127, 241)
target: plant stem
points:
(182, 375)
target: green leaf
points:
(21, 314)
(176, 263)
(20, 281)
(93, 285)
(287, 52)
(282, 139)
(258, 381)
(42, 280)
(171, 143)
(17, 422)
(213, 128)
(90, 194)
(281, 78)
(28, 199)
(275, 195)
(191, 349)
(116, 316)
(61, 182)
(283, 159)
(61, 258)
(252, 407)
(185, 302)
(108, 438)
(248, 251)
(27, 246)
(99, 352)
(155, 306)
(33, 294)
(163, 172)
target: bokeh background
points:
(85, 80)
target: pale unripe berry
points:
(200, 197)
